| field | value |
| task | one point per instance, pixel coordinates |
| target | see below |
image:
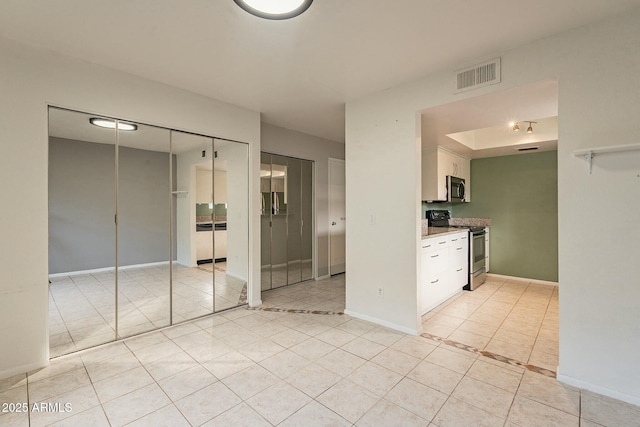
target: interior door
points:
(337, 216)
(306, 225)
(143, 229)
(265, 221)
(193, 275)
(279, 207)
(294, 221)
(82, 183)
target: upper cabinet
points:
(204, 186)
(437, 164)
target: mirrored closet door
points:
(148, 227)
(82, 232)
(144, 176)
(286, 186)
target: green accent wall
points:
(520, 195)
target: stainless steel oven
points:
(477, 266)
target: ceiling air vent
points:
(527, 149)
(484, 74)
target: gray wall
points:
(82, 206)
(520, 195)
(278, 140)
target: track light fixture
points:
(530, 129)
(516, 128)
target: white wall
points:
(31, 79)
(599, 104)
(277, 140)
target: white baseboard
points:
(634, 400)
(522, 279)
(7, 373)
(381, 322)
(109, 269)
(327, 276)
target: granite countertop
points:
(206, 219)
(473, 222)
(439, 231)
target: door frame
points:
(333, 161)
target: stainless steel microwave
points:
(455, 189)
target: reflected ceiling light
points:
(111, 124)
(274, 9)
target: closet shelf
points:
(589, 153)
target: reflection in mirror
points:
(82, 184)
(286, 186)
(148, 227)
(144, 227)
(193, 196)
(294, 221)
(278, 221)
(306, 208)
(231, 231)
(265, 221)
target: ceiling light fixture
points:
(274, 9)
(530, 129)
(515, 127)
(111, 124)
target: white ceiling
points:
(298, 73)
(478, 127)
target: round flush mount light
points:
(274, 9)
(111, 124)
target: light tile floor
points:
(82, 307)
(518, 320)
(262, 368)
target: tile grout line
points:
(490, 355)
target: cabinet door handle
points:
(436, 281)
(428, 246)
(442, 243)
(454, 240)
(460, 269)
(434, 256)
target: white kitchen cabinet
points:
(204, 245)
(445, 268)
(486, 248)
(220, 186)
(203, 186)
(465, 173)
(460, 260)
(437, 164)
(221, 244)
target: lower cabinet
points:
(204, 245)
(445, 267)
(221, 244)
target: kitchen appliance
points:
(455, 189)
(477, 267)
